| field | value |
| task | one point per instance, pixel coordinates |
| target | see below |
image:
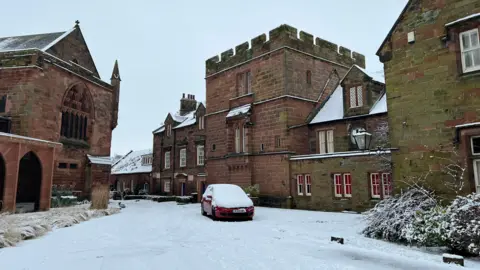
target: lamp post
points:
(362, 139)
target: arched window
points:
(76, 110)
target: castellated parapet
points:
(284, 36)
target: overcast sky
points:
(162, 46)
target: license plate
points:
(239, 210)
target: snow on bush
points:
(464, 231)
(390, 219)
(429, 228)
(18, 227)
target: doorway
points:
(29, 183)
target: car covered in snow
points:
(226, 201)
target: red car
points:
(226, 201)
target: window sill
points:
(470, 74)
(74, 143)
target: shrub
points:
(391, 217)
(134, 197)
(183, 199)
(100, 197)
(253, 191)
(429, 228)
(464, 217)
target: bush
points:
(62, 197)
(253, 191)
(390, 218)
(134, 197)
(429, 228)
(100, 197)
(183, 199)
(464, 218)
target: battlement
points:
(282, 36)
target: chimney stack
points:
(187, 104)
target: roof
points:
(132, 163)
(332, 110)
(39, 41)
(189, 119)
(374, 75)
(102, 160)
(394, 25)
(463, 19)
(184, 120)
(239, 110)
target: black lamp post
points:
(362, 139)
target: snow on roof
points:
(190, 119)
(333, 108)
(239, 110)
(132, 163)
(463, 19)
(38, 41)
(103, 160)
(376, 76)
(159, 130)
(380, 106)
(468, 125)
(339, 154)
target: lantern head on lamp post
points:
(362, 139)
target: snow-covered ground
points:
(150, 235)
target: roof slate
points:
(39, 41)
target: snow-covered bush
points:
(183, 199)
(390, 218)
(428, 228)
(252, 191)
(464, 217)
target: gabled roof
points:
(39, 41)
(132, 163)
(332, 110)
(189, 119)
(394, 26)
(239, 110)
(184, 120)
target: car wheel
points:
(203, 211)
(213, 214)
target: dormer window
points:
(201, 122)
(356, 96)
(147, 160)
(470, 50)
(169, 130)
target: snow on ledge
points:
(14, 136)
(102, 160)
(239, 110)
(468, 125)
(463, 19)
(451, 256)
(339, 154)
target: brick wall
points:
(427, 95)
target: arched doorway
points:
(2, 181)
(29, 182)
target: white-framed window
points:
(470, 50)
(166, 186)
(237, 140)
(147, 160)
(169, 130)
(201, 122)
(475, 145)
(308, 185)
(244, 140)
(167, 160)
(356, 97)
(244, 83)
(300, 183)
(476, 172)
(200, 155)
(347, 185)
(381, 185)
(338, 186)
(375, 185)
(387, 185)
(183, 157)
(325, 141)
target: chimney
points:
(187, 104)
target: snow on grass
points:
(150, 235)
(18, 227)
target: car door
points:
(207, 200)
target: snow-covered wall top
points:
(132, 163)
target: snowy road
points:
(149, 235)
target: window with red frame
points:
(338, 187)
(347, 185)
(300, 183)
(381, 185)
(308, 185)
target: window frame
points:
(300, 184)
(337, 195)
(345, 194)
(357, 92)
(201, 123)
(166, 164)
(389, 178)
(471, 145)
(308, 184)
(165, 186)
(373, 195)
(183, 158)
(324, 145)
(244, 139)
(202, 159)
(462, 50)
(237, 140)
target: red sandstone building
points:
(62, 115)
(133, 172)
(260, 102)
(179, 150)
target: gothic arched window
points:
(76, 110)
